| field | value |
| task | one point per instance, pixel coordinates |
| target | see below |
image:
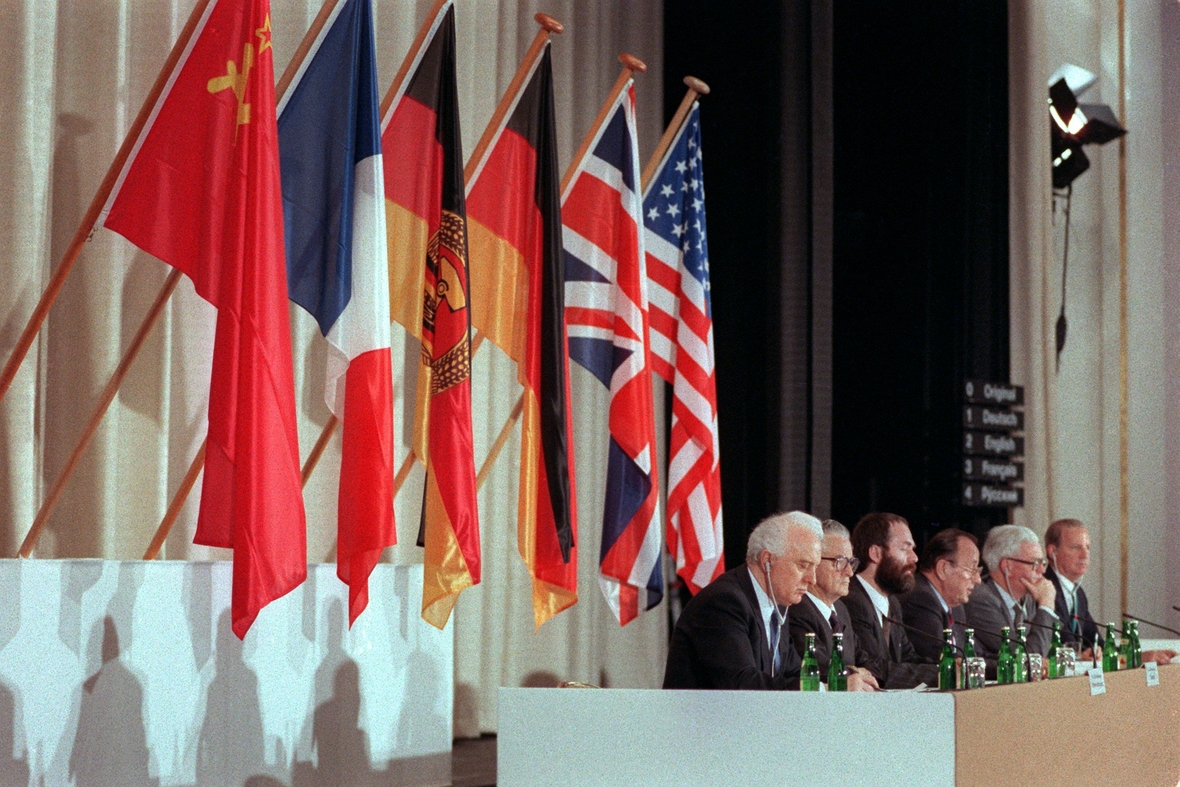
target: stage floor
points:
(473, 762)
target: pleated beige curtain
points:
(76, 75)
(1082, 458)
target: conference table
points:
(1048, 732)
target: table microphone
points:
(1155, 625)
(990, 633)
(998, 635)
(925, 634)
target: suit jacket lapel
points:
(747, 585)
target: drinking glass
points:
(976, 670)
(1036, 666)
(1069, 661)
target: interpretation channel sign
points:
(998, 418)
(990, 444)
(1002, 394)
(999, 495)
(982, 468)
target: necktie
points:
(775, 630)
(834, 622)
(885, 630)
(1073, 610)
(1017, 617)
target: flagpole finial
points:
(632, 62)
(697, 85)
(549, 23)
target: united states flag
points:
(682, 353)
(606, 311)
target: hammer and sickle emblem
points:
(236, 81)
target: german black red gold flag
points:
(426, 220)
(514, 214)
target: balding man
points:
(734, 633)
(947, 572)
(1014, 592)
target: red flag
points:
(427, 216)
(518, 301)
(202, 193)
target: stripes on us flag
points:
(677, 254)
(606, 310)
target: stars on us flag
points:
(675, 208)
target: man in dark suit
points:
(1014, 592)
(885, 548)
(947, 572)
(821, 612)
(734, 634)
(1067, 547)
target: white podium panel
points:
(629, 737)
(116, 673)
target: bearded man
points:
(885, 548)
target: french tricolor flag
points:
(337, 269)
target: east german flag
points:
(429, 297)
(514, 214)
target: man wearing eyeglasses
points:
(947, 572)
(821, 612)
(1015, 592)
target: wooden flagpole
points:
(695, 88)
(548, 25)
(100, 409)
(631, 64)
(87, 225)
(198, 463)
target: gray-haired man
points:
(1015, 591)
(733, 634)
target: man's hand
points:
(1159, 656)
(1042, 592)
(856, 682)
(867, 677)
(1086, 655)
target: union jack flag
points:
(682, 353)
(606, 311)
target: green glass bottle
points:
(1136, 648)
(1110, 653)
(1125, 647)
(809, 674)
(1055, 666)
(946, 664)
(837, 680)
(1099, 647)
(968, 653)
(1005, 664)
(1018, 654)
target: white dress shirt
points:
(880, 600)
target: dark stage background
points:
(856, 167)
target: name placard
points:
(1097, 681)
(1153, 673)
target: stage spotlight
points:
(1073, 125)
